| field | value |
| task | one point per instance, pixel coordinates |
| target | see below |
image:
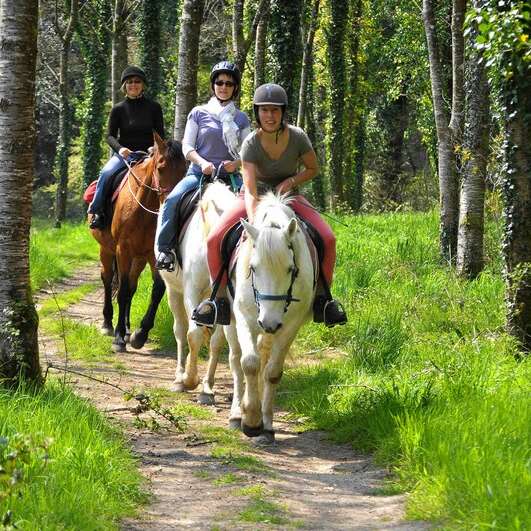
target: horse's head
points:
(169, 164)
(273, 269)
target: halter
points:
(287, 296)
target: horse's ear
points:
(291, 229)
(158, 142)
(251, 230)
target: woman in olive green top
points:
(271, 156)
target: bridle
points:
(287, 297)
(156, 188)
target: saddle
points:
(185, 210)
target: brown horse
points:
(127, 245)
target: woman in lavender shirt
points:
(212, 137)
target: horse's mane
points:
(272, 213)
(274, 209)
(175, 152)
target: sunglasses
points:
(133, 81)
(226, 83)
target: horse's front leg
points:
(251, 408)
(235, 417)
(272, 374)
(107, 273)
(124, 300)
(140, 336)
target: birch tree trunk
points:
(448, 186)
(458, 62)
(307, 63)
(186, 92)
(19, 354)
(474, 168)
(118, 48)
(65, 126)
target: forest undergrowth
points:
(423, 375)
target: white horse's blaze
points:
(274, 294)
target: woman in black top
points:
(131, 125)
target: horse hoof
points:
(251, 431)
(119, 347)
(107, 331)
(190, 386)
(127, 337)
(177, 387)
(235, 424)
(206, 399)
(138, 339)
(266, 438)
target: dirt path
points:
(209, 478)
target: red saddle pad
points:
(88, 196)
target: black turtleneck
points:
(135, 119)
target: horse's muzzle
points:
(270, 328)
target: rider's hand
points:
(286, 185)
(125, 152)
(207, 167)
(230, 166)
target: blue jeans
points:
(167, 229)
(113, 166)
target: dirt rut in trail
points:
(306, 482)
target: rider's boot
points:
(326, 309)
(166, 260)
(97, 221)
(211, 312)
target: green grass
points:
(259, 509)
(77, 473)
(56, 253)
(424, 374)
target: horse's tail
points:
(115, 282)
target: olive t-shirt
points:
(270, 172)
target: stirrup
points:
(336, 315)
(166, 261)
(218, 312)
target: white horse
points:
(188, 286)
(275, 289)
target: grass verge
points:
(423, 374)
(73, 469)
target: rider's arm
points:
(311, 167)
(189, 141)
(251, 192)
(158, 120)
(112, 130)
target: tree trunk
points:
(240, 43)
(285, 47)
(336, 65)
(260, 53)
(65, 126)
(517, 196)
(394, 122)
(307, 63)
(186, 94)
(458, 62)
(448, 186)
(474, 168)
(149, 44)
(118, 49)
(19, 354)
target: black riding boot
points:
(166, 260)
(212, 312)
(97, 221)
(325, 308)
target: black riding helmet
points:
(226, 67)
(270, 94)
(133, 71)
